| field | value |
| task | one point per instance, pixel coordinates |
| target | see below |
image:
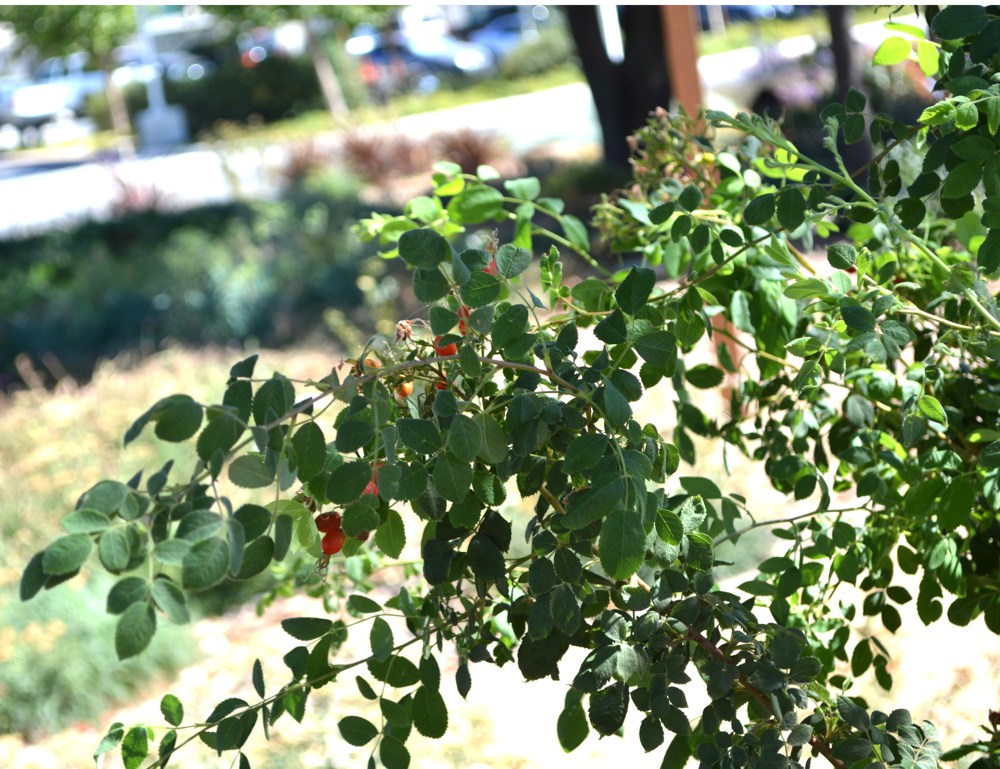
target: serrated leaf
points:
(250, 472)
(760, 209)
(393, 753)
(893, 50)
(135, 747)
(633, 292)
(658, 348)
(205, 565)
(135, 629)
(306, 628)
(67, 554)
(930, 408)
(423, 248)
(608, 708)
(430, 714)
(390, 536)
(357, 731)
(594, 503)
(310, 450)
(126, 592)
(421, 435)
(957, 21)
(511, 260)
(169, 598)
(452, 477)
(622, 544)
(85, 521)
(172, 710)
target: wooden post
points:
(680, 31)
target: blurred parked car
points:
(394, 61)
(502, 34)
(60, 87)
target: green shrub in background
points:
(52, 672)
(275, 89)
(261, 271)
(551, 48)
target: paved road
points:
(33, 198)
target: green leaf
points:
(576, 232)
(126, 592)
(992, 107)
(565, 610)
(853, 714)
(616, 408)
(760, 209)
(430, 285)
(250, 472)
(205, 565)
(423, 248)
(930, 408)
(357, 731)
(842, 256)
(380, 638)
(135, 746)
(989, 457)
(585, 452)
(622, 543)
(893, 50)
(114, 550)
(421, 435)
(571, 726)
(393, 753)
(704, 376)
(633, 292)
(928, 57)
(962, 179)
(169, 598)
(85, 521)
(177, 418)
(310, 450)
(659, 348)
(988, 256)
(135, 629)
(476, 204)
(110, 740)
(650, 733)
(172, 710)
(354, 434)
(430, 714)
(452, 477)
(390, 536)
(348, 481)
(791, 208)
(307, 628)
(67, 554)
(464, 438)
(219, 435)
(608, 708)
(199, 525)
(856, 317)
(511, 260)
(34, 577)
(593, 504)
(527, 188)
(690, 198)
(957, 21)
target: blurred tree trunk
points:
(859, 154)
(626, 92)
(121, 125)
(329, 85)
